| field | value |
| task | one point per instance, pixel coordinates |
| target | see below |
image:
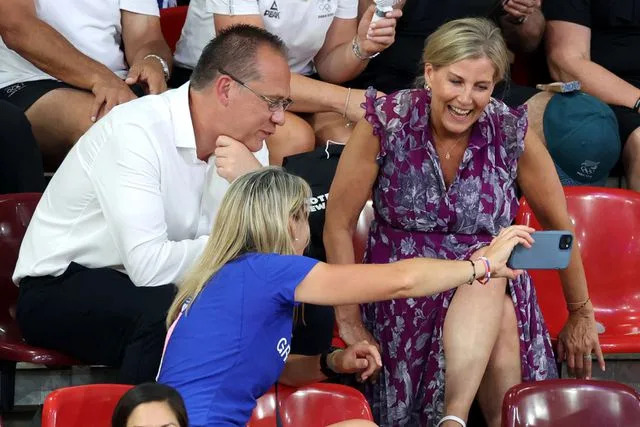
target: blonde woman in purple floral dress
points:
(442, 164)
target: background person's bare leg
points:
(58, 119)
(631, 160)
(295, 136)
(331, 126)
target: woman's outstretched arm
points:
(328, 284)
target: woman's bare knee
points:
(294, 137)
(631, 160)
(330, 126)
(508, 344)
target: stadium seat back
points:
(81, 406)
(315, 405)
(607, 223)
(15, 213)
(570, 403)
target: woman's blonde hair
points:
(254, 216)
(467, 38)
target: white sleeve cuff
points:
(347, 9)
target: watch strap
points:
(324, 366)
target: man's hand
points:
(109, 92)
(148, 72)
(233, 158)
(355, 334)
(362, 358)
(519, 9)
(377, 36)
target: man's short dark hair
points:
(234, 50)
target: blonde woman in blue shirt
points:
(232, 318)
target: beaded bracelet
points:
(487, 274)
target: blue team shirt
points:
(231, 345)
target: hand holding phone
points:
(551, 250)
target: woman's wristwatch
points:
(636, 106)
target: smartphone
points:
(551, 250)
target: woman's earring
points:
(426, 86)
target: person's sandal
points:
(452, 418)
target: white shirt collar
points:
(183, 133)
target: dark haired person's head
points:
(150, 405)
(235, 50)
(244, 77)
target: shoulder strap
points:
(278, 417)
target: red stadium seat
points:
(360, 237)
(315, 405)
(15, 214)
(86, 405)
(171, 21)
(570, 403)
(607, 223)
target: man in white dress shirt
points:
(131, 206)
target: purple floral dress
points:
(417, 216)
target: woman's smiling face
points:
(459, 93)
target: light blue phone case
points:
(550, 251)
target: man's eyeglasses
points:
(275, 104)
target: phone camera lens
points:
(565, 241)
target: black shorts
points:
(24, 95)
(179, 76)
(628, 121)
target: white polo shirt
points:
(130, 195)
(301, 24)
(92, 27)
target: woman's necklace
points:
(447, 154)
